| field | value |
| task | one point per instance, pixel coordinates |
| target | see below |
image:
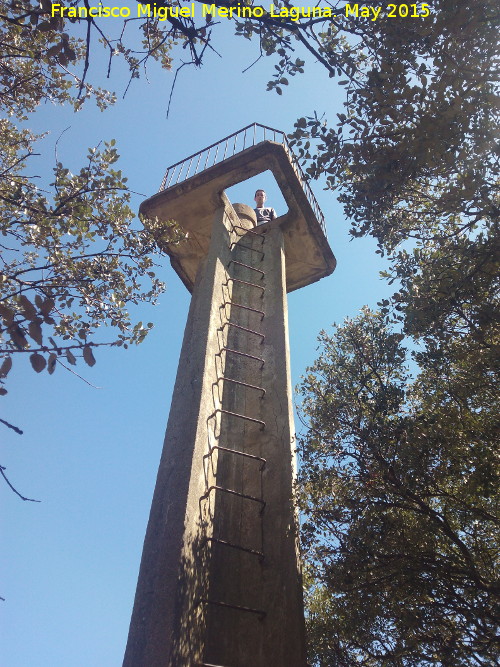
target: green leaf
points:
(70, 357)
(5, 367)
(51, 364)
(35, 332)
(29, 309)
(88, 355)
(18, 337)
(38, 362)
(46, 306)
(7, 313)
(54, 50)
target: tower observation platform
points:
(191, 191)
(220, 578)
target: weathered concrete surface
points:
(220, 579)
(193, 202)
(167, 627)
(270, 584)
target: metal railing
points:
(231, 145)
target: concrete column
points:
(219, 582)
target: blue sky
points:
(70, 563)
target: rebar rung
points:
(247, 266)
(214, 487)
(247, 247)
(254, 552)
(249, 231)
(238, 326)
(245, 282)
(240, 305)
(242, 354)
(259, 612)
(239, 453)
(236, 414)
(244, 384)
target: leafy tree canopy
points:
(72, 257)
(399, 486)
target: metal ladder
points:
(245, 276)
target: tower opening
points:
(244, 192)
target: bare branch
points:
(31, 500)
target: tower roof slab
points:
(193, 202)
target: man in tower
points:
(264, 213)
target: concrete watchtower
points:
(219, 583)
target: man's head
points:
(260, 198)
